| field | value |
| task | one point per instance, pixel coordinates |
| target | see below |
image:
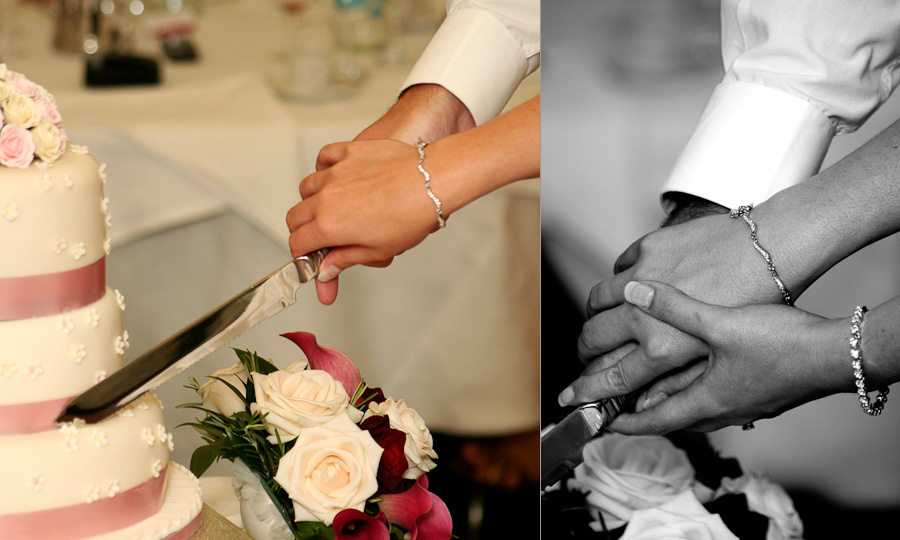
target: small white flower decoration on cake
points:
(108, 219)
(92, 494)
(79, 251)
(148, 436)
(157, 468)
(80, 353)
(67, 324)
(170, 442)
(61, 245)
(120, 298)
(67, 180)
(93, 317)
(33, 370)
(122, 344)
(107, 246)
(99, 438)
(79, 148)
(127, 413)
(46, 182)
(70, 443)
(102, 172)
(113, 488)
(11, 212)
(68, 429)
(104, 204)
(161, 433)
(36, 482)
(101, 376)
(7, 369)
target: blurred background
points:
(207, 114)
(624, 83)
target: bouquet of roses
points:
(318, 453)
(674, 487)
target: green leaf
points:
(314, 530)
(204, 456)
(234, 389)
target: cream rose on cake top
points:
(30, 123)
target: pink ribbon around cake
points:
(89, 519)
(24, 418)
(35, 296)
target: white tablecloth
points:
(202, 170)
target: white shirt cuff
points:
(751, 142)
(474, 56)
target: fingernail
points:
(653, 400)
(566, 396)
(639, 294)
(328, 273)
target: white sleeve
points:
(481, 52)
(797, 73)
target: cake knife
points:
(562, 445)
(199, 339)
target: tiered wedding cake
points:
(60, 333)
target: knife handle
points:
(561, 447)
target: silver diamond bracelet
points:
(744, 212)
(420, 146)
(872, 409)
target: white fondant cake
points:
(60, 333)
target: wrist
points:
(829, 342)
(433, 111)
(685, 207)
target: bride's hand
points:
(367, 202)
(763, 360)
(710, 258)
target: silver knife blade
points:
(562, 445)
(202, 337)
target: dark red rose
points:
(393, 460)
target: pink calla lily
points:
(351, 524)
(336, 363)
(419, 511)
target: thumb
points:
(672, 306)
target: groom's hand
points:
(703, 252)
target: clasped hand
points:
(367, 198)
(627, 349)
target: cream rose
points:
(21, 111)
(297, 366)
(419, 446)
(331, 467)
(681, 518)
(297, 400)
(217, 396)
(622, 474)
(46, 141)
(769, 499)
(6, 92)
(16, 147)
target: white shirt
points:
(797, 73)
(481, 52)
